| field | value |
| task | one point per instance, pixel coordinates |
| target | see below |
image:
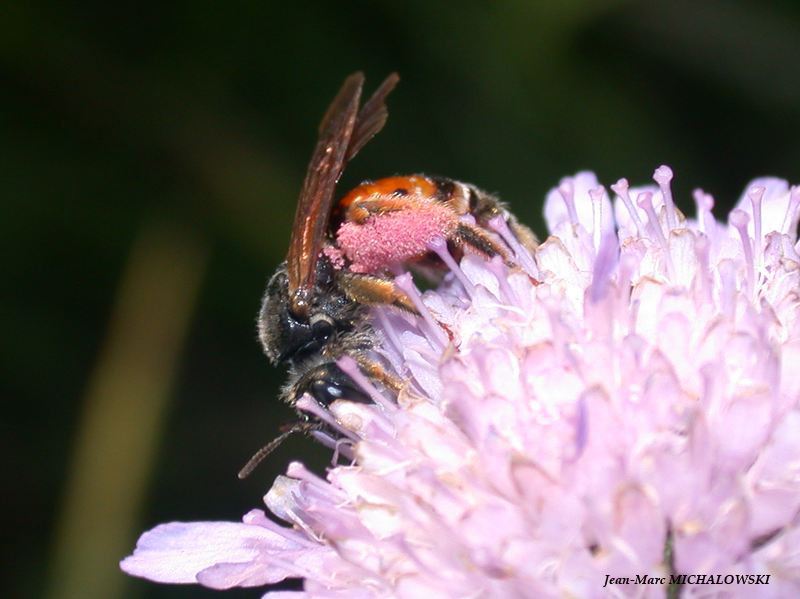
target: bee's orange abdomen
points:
(414, 185)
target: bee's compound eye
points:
(327, 383)
(328, 391)
(322, 327)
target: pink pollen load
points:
(391, 238)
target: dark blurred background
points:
(151, 158)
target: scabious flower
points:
(623, 402)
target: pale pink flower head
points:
(622, 402)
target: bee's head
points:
(289, 337)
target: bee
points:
(315, 307)
(313, 313)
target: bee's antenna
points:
(288, 431)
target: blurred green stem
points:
(124, 411)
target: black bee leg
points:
(479, 240)
(485, 207)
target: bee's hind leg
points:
(375, 291)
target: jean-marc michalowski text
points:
(689, 579)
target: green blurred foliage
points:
(203, 114)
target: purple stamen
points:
(645, 202)
(289, 534)
(439, 246)
(567, 191)
(792, 214)
(596, 194)
(299, 471)
(701, 248)
(755, 195)
(405, 283)
(310, 405)
(604, 266)
(341, 447)
(389, 330)
(621, 189)
(524, 258)
(496, 266)
(705, 219)
(663, 176)
(351, 369)
(739, 220)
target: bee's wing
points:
(372, 116)
(316, 197)
(342, 133)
